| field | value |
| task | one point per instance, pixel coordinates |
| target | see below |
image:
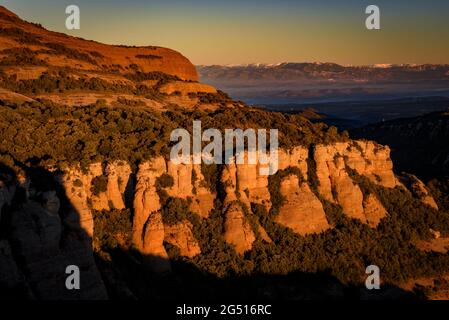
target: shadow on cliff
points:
(129, 278)
(39, 238)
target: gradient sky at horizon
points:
(262, 31)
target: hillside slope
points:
(419, 144)
(42, 64)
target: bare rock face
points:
(184, 88)
(372, 160)
(153, 250)
(245, 182)
(237, 230)
(146, 199)
(181, 236)
(374, 210)
(118, 174)
(418, 189)
(302, 211)
(365, 157)
(335, 185)
(296, 157)
(347, 192)
(99, 201)
(148, 230)
(77, 184)
(202, 198)
(189, 183)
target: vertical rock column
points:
(148, 230)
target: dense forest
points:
(46, 134)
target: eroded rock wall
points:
(239, 185)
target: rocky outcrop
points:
(181, 236)
(246, 183)
(119, 174)
(364, 157)
(241, 185)
(184, 88)
(153, 250)
(146, 200)
(237, 229)
(345, 191)
(336, 185)
(189, 183)
(76, 184)
(301, 211)
(374, 211)
(295, 157)
(418, 189)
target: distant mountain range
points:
(325, 71)
(324, 82)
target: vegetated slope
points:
(419, 145)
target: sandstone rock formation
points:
(118, 174)
(242, 185)
(237, 229)
(146, 199)
(153, 248)
(365, 157)
(418, 189)
(335, 184)
(77, 185)
(181, 236)
(126, 59)
(374, 211)
(188, 182)
(302, 211)
(184, 88)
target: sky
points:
(260, 31)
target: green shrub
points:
(112, 229)
(99, 185)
